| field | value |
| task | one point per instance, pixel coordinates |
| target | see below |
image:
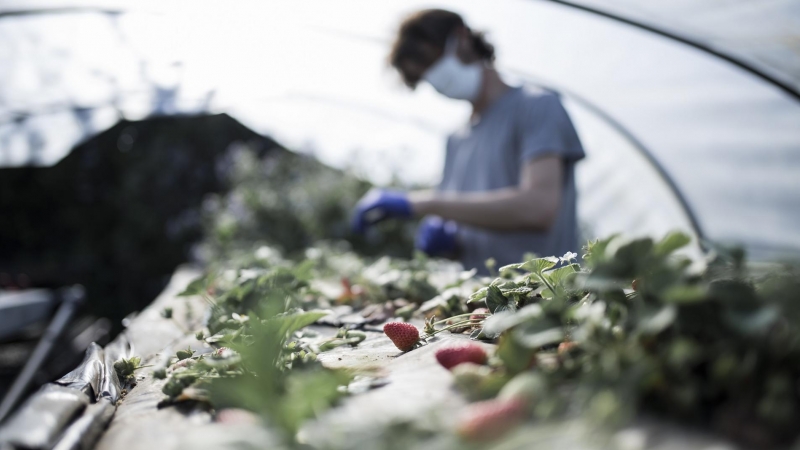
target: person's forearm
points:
(505, 209)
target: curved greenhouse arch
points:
(741, 63)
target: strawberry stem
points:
(455, 325)
(461, 315)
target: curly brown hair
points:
(428, 30)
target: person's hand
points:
(377, 205)
(436, 236)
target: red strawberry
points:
(490, 419)
(479, 314)
(454, 355)
(404, 335)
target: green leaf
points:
(125, 367)
(515, 357)
(595, 251)
(184, 354)
(671, 242)
(483, 335)
(684, 352)
(218, 361)
(226, 334)
(631, 258)
(196, 287)
(502, 321)
(536, 265)
(657, 321)
(559, 277)
(478, 295)
(497, 302)
(476, 333)
(506, 268)
(292, 321)
(508, 307)
(684, 294)
(307, 394)
(752, 322)
(600, 283)
(516, 290)
(531, 338)
(539, 265)
(737, 294)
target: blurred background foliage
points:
(291, 202)
(126, 207)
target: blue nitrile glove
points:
(377, 205)
(436, 236)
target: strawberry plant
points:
(714, 348)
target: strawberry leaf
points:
(539, 265)
(497, 302)
(671, 242)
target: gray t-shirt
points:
(524, 123)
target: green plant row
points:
(634, 328)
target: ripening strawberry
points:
(490, 419)
(454, 355)
(479, 314)
(404, 335)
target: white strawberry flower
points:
(569, 256)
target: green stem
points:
(461, 315)
(455, 325)
(549, 286)
(338, 342)
(208, 299)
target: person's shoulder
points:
(535, 95)
(534, 103)
(458, 134)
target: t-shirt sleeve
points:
(546, 129)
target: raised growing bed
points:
(263, 352)
(412, 386)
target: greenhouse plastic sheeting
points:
(763, 34)
(313, 76)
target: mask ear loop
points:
(451, 45)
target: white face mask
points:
(452, 78)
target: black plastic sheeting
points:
(70, 413)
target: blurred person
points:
(508, 185)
